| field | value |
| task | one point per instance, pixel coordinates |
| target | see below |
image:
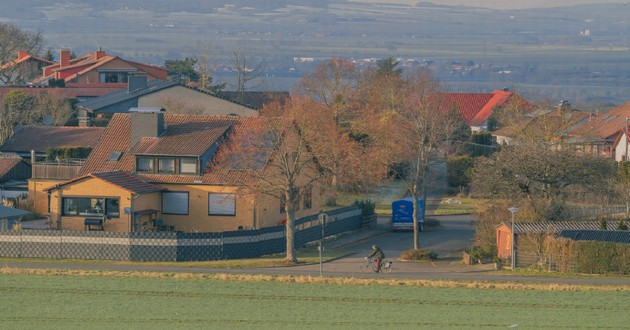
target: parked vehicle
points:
(402, 214)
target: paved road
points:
(454, 234)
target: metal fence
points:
(171, 246)
(547, 262)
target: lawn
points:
(382, 196)
(465, 206)
(305, 256)
(127, 302)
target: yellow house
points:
(154, 171)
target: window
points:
(113, 77)
(188, 166)
(166, 165)
(175, 202)
(112, 207)
(144, 164)
(91, 206)
(307, 197)
(114, 156)
(221, 204)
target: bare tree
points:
(341, 156)
(12, 40)
(412, 134)
(206, 69)
(273, 158)
(333, 83)
(247, 69)
(15, 109)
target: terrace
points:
(57, 170)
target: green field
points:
(110, 302)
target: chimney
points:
(64, 58)
(22, 54)
(146, 123)
(99, 54)
(136, 82)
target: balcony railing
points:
(57, 170)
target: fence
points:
(548, 262)
(171, 246)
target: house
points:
(23, 69)
(255, 100)
(527, 236)
(42, 138)
(13, 168)
(97, 68)
(601, 136)
(153, 170)
(476, 108)
(10, 216)
(544, 125)
(175, 98)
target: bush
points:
(483, 252)
(367, 207)
(418, 254)
(600, 258)
(459, 171)
(68, 153)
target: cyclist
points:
(378, 255)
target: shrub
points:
(367, 207)
(622, 226)
(483, 252)
(459, 171)
(68, 152)
(418, 254)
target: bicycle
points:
(370, 266)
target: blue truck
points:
(402, 214)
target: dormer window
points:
(188, 166)
(167, 165)
(145, 164)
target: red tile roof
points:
(121, 179)
(606, 126)
(180, 136)
(23, 59)
(7, 163)
(41, 138)
(88, 62)
(476, 108)
(554, 122)
(177, 136)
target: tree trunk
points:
(290, 226)
(416, 234)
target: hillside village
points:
(136, 152)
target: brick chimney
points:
(22, 54)
(64, 58)
(146, 123)
(99, 54)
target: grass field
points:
(108, 302)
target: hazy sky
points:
(502, 4)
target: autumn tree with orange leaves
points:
(409, 124)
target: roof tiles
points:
(41, 138)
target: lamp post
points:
(513, 210)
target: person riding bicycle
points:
(378, 255)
